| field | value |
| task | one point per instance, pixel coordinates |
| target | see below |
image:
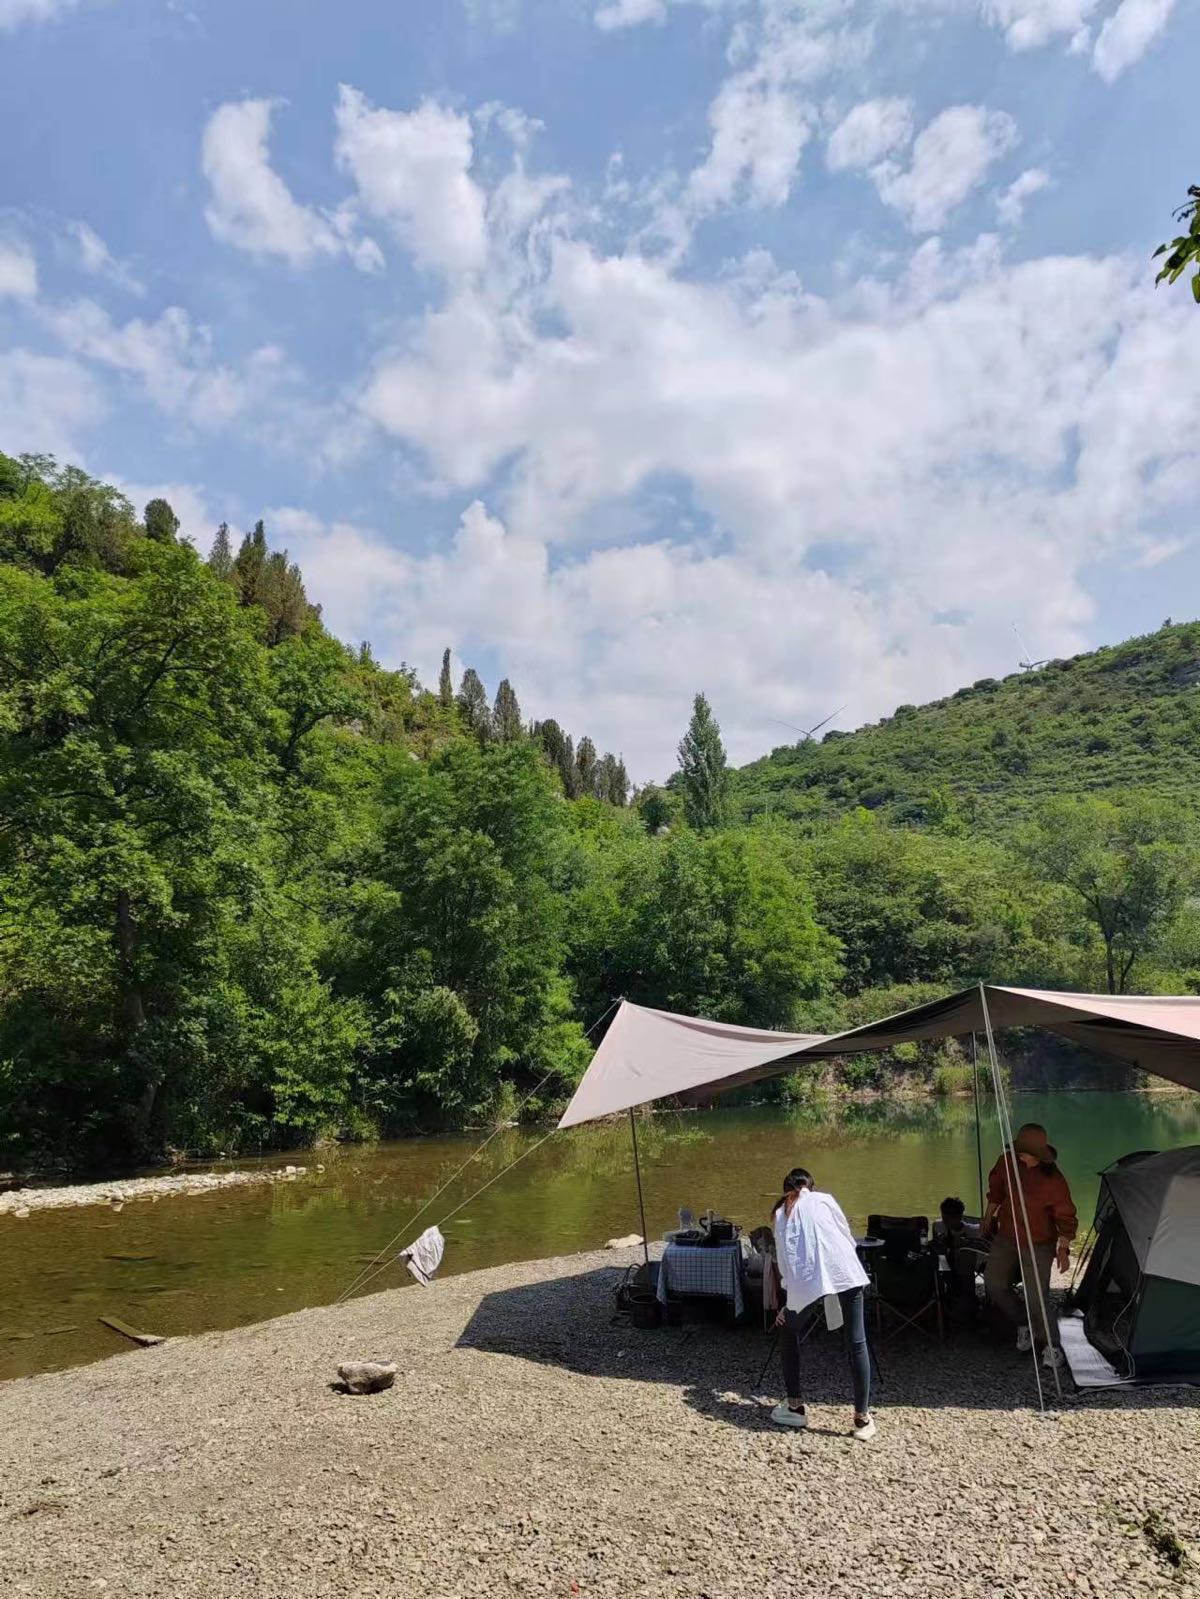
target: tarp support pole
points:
(978, 1121)
(1015, 1187)
(637, 1166)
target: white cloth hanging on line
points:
(424, 1255)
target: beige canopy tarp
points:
(648, 1055)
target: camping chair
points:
(905, 1276)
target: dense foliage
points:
(255, 889)
(1120, 719)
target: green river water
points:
(224, 1259)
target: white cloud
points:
(1010, 206)
(950, 158)
(252, 208)
(964, 441)
(18, 270)
(172, 359)
(97, 259)
(14, 12)
(615, 14)
(870, 132)
(1028, 24)
(412, 169)
(47, 403)
(759, 129)
(763, 115)
(1128, 34)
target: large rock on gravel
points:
(367, 1376)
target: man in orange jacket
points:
(1053, 1223)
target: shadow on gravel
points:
(569, 1322)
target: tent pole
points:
(978, 1122)
(1015, 1187)
(637, 1166)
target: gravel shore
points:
(21, 1201)
(531, 1447)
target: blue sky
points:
(795, 352)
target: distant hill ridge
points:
(1119, 718)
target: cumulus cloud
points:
(759, 129)
(616, 14)
(252, 208)
(849, 473)
(18, 270)
(97, 259)
(1030, 23)
(47, 403)
(950, 158)
(171, 357)
(412, 170)
(1128, 34)
(869, 133)
(1010, 206)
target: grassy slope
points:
(1120, 718)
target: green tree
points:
(467, 926)
(507, 727)
(587, 767)
(658, 808)
(560, 754)
(613, 781)
(1128, 865)
(131, 781)
(1183, 252)
(220, 557)
(249, 563)
(727, 930)
(160, 522)
(703, 778)
(445, 683)
(279, 592)
(472, 701)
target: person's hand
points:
(1062, 1255)
(779, 1320)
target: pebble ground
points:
(530, 1446)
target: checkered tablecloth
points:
(689, 1269)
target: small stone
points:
(367, 1376)
(21, 1212)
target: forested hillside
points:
(1120, 718)
(257, 890)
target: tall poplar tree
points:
(703, 777)
(446, 683)
(473, 703)
(506, 715)
(587, 764)
(220, 557)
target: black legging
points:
(854, 1331)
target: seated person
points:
(962, 1243)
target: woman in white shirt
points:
(817, 1258)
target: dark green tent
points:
(1140, 1294)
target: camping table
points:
(711, 1270)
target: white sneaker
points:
(785, 1416)
(1052, 1358)
(1024, 1340)
(865, 1431)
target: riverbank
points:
(530, 1447)
(22, 1202)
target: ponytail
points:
(794, 1184)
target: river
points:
(243, 1254)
